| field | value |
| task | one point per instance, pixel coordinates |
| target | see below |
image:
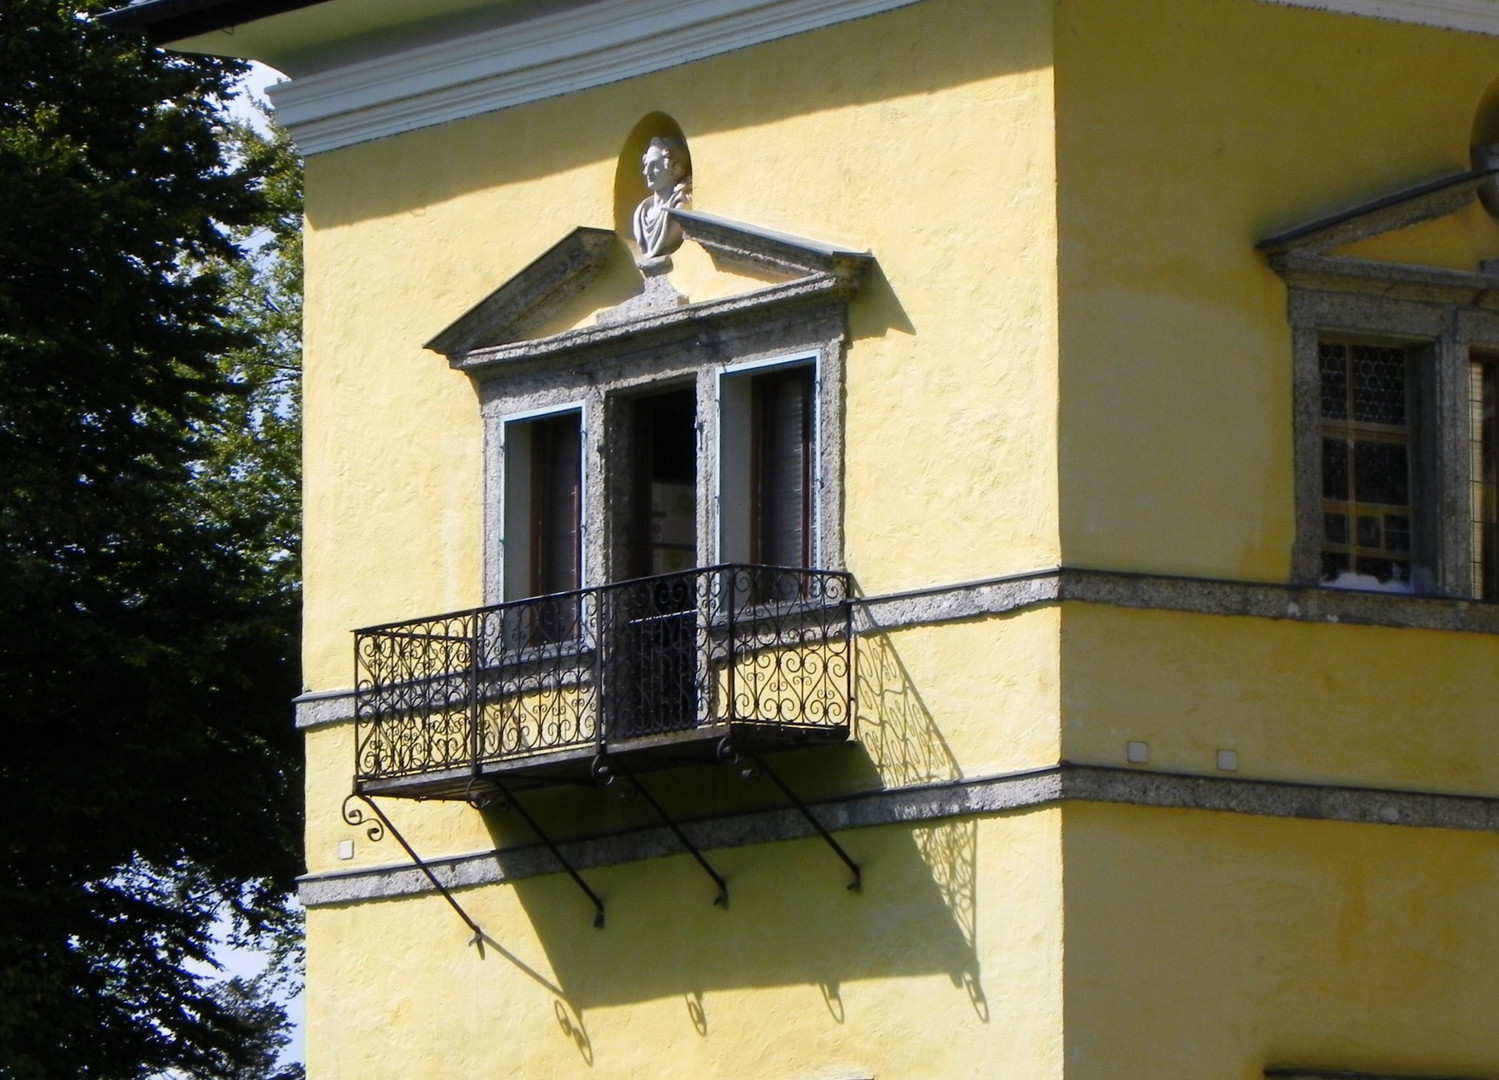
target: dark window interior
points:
(663, 531)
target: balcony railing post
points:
(594, 637)
(732, 589)
(851, 681)
(475, 709)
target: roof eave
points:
(166, 21)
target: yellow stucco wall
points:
(947, 964)
(1106, 214)
(1205, 946)
(1187, 130)
(952, 347)
(1313, 703)
(938, 159)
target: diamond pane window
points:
(1366, 464)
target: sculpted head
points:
(664, 165)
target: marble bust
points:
(667, 174)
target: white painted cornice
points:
(1472, 16)
(388, 92)
(548, 56)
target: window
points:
(713, 429)
(705, 465)
(1483, 472)
(1395, 461)
(767, 468)
(1368, 450)
(781, 458)
(1393, 398)
(543, 505)
(543, 521)
(661, 529)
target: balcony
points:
(677, 668)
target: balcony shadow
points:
(790, 921)
(906, 749)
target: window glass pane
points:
(1397, 532)
(1378, 384)
(556, 486)
(1381, 473)
(1334, 363)
(1335, 468)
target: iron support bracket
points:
(775, 778)
(722, 899)
(511, 800)
(376, 831)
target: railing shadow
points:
(906, 748)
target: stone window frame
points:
(656, 339)
(601, 386)
(497, 436)
(1447, 312)
(1412, 308)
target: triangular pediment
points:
(564, 270)
(1399, 244)
(588, 288)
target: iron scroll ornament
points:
(353, 814)
(375, 830)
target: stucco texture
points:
(947, 963)
(1220, 123)
(938, 159)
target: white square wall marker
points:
(1136, 753)
(346, 849)
(1228, 760)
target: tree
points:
(253, 436)
(148, 771)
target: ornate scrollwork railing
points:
(597, 669)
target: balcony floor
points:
(574, 765)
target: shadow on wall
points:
(906, 749)
(791, 921)
(922, 49)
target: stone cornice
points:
(926, 804)
(563, 270)
(1148, 592)
(1398, 210)
(1393, 281)
(551, 55)
(1472, 16)
(561, 52)
(492, 334)
(754, 309)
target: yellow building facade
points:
(1111, 383)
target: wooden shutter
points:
(783, 468)
(556, 504)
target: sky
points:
(259, 78)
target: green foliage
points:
(148, 620)
(250, 473)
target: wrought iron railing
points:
(601, 669)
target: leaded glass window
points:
(1367, 445)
